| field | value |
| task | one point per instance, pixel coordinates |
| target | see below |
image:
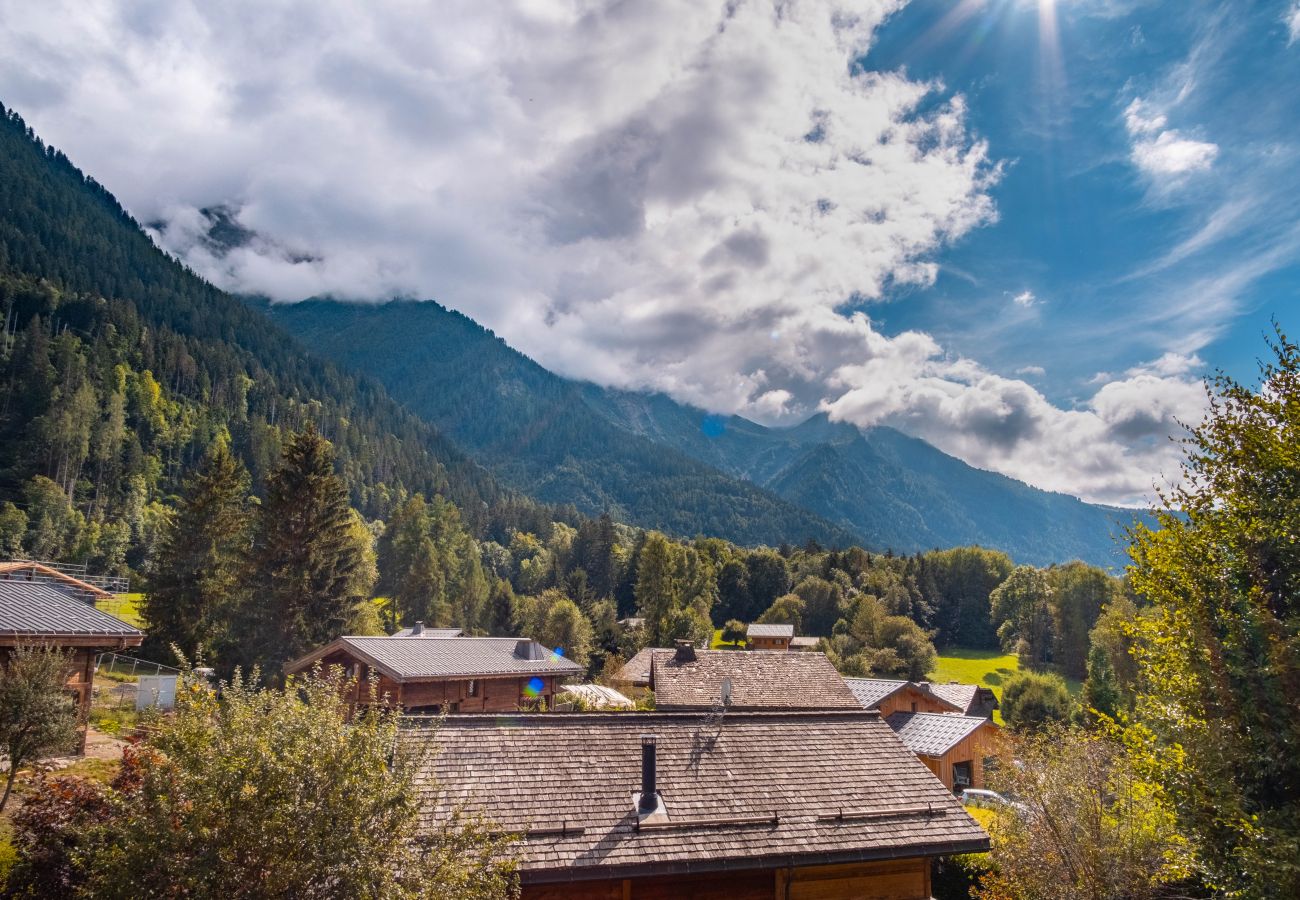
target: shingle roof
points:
(760, 679)
(770, 631)
(431, 633)
(789, 774)
(805, 643)
(871, 691)
(933, 734)
(637, 669)
(35, 609)
(964, 696)
(413, 660)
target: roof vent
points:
(726, 692)
(417, 629)
(685, 651)
(529, 649)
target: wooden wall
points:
(909, 699)
(769, 643)
(972, 749)
(907, 879)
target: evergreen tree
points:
(304, 557)
(1100, 690)
(200, 574)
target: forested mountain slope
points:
(535, 430)
(650, 457)
(119, 366)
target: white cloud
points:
(1293, 23)
(1032, 371)
(679, 195)
(1162, 152)
(1025, 298)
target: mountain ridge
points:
(880, 486)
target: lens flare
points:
(534, 687)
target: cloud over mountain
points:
(703, 198)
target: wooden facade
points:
(769, 643)
(904, 879)
(911, 698)
(962, 766)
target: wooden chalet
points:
(687, 678)
(769, 637)
(891, 696)
(636, 671)
(737, 806)
(951, 745)
(38, 613)
(450, 674)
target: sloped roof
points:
(760, 679)
(22, 569)
(963, 696)
(934, 734)
(637, 669)
(870, 692)
(414, 660)
(805, 642)
(770, 631)
(763, 789)
(34, 609)
(431, 633)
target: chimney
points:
(649, 794)
(685, 651)
(417, 629)
(529, 649)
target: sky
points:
(1023, 230)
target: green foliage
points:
(1032, 700)
(786, 610)
(1021, 611)
(1220, 653)
(200, 577)
(1101, 694)
(958, 583)
(1079, 594)
(1093, 825)
(36, 714)
(733, 632)
(265, 793)
(565, 629)
(304, 558)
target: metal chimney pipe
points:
(648, 791)
(418, 628)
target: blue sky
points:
(1021, 230)
(1082, 227)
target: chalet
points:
(687, 678)
(891, 696)
(621, 806)
(451, 674)
(951, 745)
(970, 699)
(769, 637)
(36, 612)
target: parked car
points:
(987, 799)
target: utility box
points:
(156, 690)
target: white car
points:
(989, 800)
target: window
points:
(472, 689)
(913, 706)
(961, 775)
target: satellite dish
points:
(726, 692)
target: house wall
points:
(769, 643)
(909, 699)
(907, 879)
(973, 748)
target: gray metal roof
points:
(406, 659)
(871, 691)
(431, 633)
(933, 734)
(37, 609)
(770, 631)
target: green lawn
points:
(125, 606)
(719, 644)
(990, 668)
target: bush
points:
(1033, 699)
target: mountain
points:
(536, 431)
(662, 463)
(119, 367)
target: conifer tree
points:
(200, 573)
(1100, 690)
(304, 558)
